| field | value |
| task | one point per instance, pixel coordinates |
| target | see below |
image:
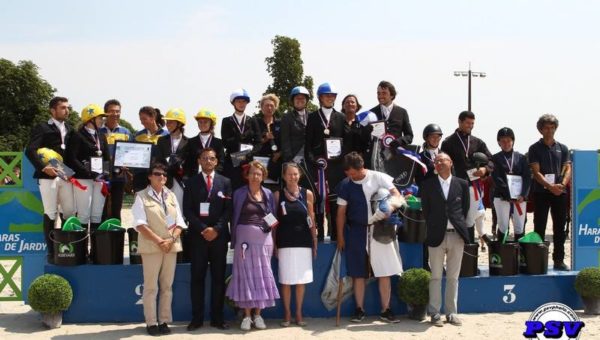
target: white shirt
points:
(445, 183)
(61, 127)
(204, 138)
(327, 112)
(239, 117)
(90, 131)
(175, 143)
(139, 214)
(387, 110)
(212, 177)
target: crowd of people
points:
(269, 186)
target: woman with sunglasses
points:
(252, 284)
(295, 240)
(159, 222)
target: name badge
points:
(171, 222)
(550, 178)
(204, 207)
(96, 165)
(309, 221)
(271, 220)
(244, 147)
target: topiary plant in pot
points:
(413, 289)
(50, 295)
(587, 285)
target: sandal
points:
(285, 323)
(301, 323)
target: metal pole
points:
(469, 106)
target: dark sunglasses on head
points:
(157, 173)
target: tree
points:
(127, 125)
(24, 98)
(285, 67)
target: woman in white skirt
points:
(295, 240)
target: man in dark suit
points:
(207, 207)
(445, 202)
(396, 117)
(54, 135)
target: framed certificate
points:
(333, 147)
(132, 155)
(378, 129)
(238, 157)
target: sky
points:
(539, 56)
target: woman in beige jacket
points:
(159, 221)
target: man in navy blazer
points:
(207, 207)
(395, 117)
(445, 203)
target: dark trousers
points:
(202, 254)
(558, 207)
(331, 220)
(114, 202)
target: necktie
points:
(208, 184)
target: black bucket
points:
(504, 258)
(184, 255)
(468, 267)
(70, 247)
(134, 256)
(107, 246)
(533, 259)
(413, 229)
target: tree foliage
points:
(24, 98)
(285, 66)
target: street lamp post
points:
(469, 74)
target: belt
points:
(450, 230)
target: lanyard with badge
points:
(170, 219)
(551, 177)
(96, 163)
(514, 182)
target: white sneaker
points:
(259, 323)
(246, 324)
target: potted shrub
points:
(50, 295)
(413, 289)
(587, 285)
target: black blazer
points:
(437, 210)
(194, 147)
(315, 137)
(176, 163)
(219, 213)
(398, 124)
(81, 147)
(46, 135)
(294, 131)
(232, 138)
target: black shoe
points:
(220, 325)
(358, 316)
(153, 330)
(194, 325)
(388, 316)
(560, 265)
(164, 329)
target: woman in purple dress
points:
(252, 285)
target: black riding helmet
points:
(505, 132)
(431, 129)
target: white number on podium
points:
(138, 291)
(509, 297)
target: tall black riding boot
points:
(518, 236)
(499, 235)
(93, 228)
(48, 226)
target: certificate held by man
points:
(133, 155)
